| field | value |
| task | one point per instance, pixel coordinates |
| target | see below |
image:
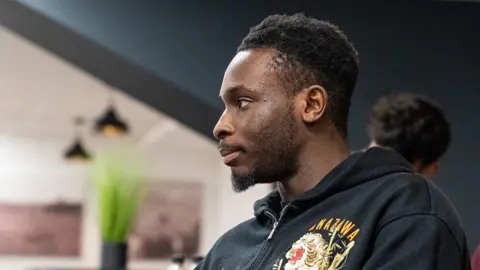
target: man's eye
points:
(242, 103)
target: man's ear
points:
(315, 100)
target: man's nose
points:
(223, 127)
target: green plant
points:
(118, 188)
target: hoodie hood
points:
(359, 168)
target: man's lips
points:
(229, 152)
(229, 158)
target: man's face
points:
(258, 128)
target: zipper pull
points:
(275, 224)
(273, 230)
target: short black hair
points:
(311, 51)
(413, 125)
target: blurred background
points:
(65, 65)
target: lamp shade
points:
(110, 124)
(76, 152)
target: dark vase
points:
(114, 256)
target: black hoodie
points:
(370, 212)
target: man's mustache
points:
(229, 147)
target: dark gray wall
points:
(424, 47)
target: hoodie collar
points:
(359, 168)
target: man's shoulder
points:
(413, 193)
(407, 194)
(406, 191)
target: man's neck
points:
(373, 144)
(316, 160)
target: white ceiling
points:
(40, 94)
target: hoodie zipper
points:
(276, 221)
(275, 224)
(265, 245)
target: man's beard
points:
(277, 158)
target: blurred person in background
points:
(414, 126)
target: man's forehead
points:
(247, 69)
(252, 57)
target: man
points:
(287, 95)
(412, 125)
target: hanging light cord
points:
(78, 122)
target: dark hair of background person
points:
(413, 125)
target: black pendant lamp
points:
(76, 152)
(110, 124)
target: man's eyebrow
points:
(233, 89)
